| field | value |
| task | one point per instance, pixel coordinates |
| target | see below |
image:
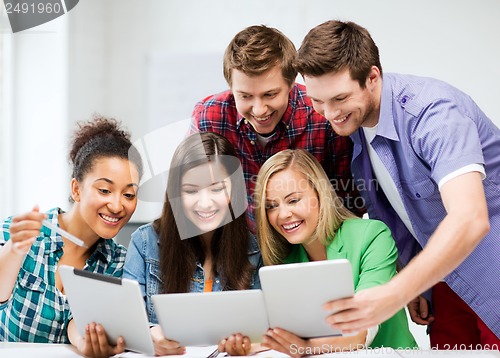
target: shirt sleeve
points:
(5, 233)
(135, 262)
(199, 119)
(378, 261)
(467, 169)
(446, 139)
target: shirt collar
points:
(333, 251)
(52, 240)
(386, 125)
(104, 250)
(334, 248)
(299, 122)
(253, 247)
(240, 119)
(53, 243)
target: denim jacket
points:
(143, 265)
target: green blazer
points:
(369, 246)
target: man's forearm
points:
(454, 240)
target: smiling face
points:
(205, 195)
(263, 99)
(292, 206)
(106, 198)
(342, 101)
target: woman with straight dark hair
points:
(201, 242)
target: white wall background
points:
(34, 116)
(146, 62)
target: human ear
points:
(373, 76)
(75, 190)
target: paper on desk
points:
(198, 352)
(201, 352)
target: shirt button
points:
(252, 142)
(417, 195)
(404, 99)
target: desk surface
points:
(39, 350)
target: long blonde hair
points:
(274, 247)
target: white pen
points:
(64, 233)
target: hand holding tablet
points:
(115, 303)
(291, 298)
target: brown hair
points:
(178, 256)
(274, 247)
(257, 49)
(334, 46)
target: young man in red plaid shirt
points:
(265, 112)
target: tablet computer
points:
(115, 303)
(204, 318)
(295, 293)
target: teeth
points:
(340, 120)
(206, 215)
(109, 218)
(261, 118)
(291, 226)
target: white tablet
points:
(115, 303)
(204, 318)
(294, 294)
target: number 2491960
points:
(32, 8)
(460, 347)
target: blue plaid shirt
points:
(37, 311)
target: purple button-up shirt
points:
(428, 129)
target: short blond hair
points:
(274, 247)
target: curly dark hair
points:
(97, 138)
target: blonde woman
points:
(299, 219)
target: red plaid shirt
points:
(300, 128)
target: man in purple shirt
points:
(427, 161)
